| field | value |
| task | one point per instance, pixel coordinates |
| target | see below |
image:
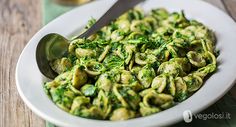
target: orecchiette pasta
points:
(137, 65)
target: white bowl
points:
(30, 81)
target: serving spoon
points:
(53, 46)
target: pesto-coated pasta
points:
(138, 65)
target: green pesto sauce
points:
(138, 65)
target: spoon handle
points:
(115, 11)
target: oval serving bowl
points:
(30, 81)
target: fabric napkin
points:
(226, 104)
(52, 10)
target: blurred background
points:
(20, 20)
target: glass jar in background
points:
(72, 2)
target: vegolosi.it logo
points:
(188, 116)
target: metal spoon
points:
(53, 46)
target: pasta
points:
(138, 65)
